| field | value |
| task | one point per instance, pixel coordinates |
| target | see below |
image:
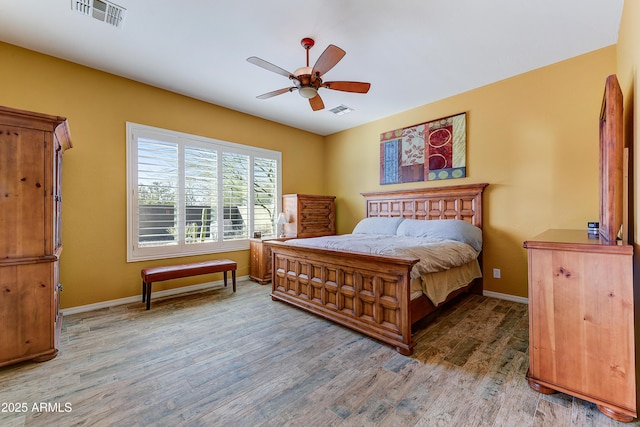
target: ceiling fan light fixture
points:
(308, 92)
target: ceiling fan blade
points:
(268, 66)
(329, 58)
(357, 87)
(316, 103)
(275, 92)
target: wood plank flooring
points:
(221, 359)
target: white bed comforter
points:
(434, 254)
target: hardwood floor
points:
(221, 359)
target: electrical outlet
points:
(496, 273)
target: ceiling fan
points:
(307, 80)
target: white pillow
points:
(449, 229)
(378, 225)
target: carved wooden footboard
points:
(367, 293)
(371, 293)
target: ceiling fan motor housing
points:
(307, 83)
(304, 76)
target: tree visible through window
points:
(190, 195)
(264, 187)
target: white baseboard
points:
(214, 285)
(505, 297)
(154, 295)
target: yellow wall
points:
(533, 138)
(628, 61)
(97, 105)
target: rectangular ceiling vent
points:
(341, 110)
(101, 10)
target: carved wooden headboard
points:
(454, 202)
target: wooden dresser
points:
(581, 320)
(31, 148)
(309, 215)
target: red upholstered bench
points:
(158, 274)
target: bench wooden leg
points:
(233, 278)
(146, 289)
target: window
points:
(191, 195)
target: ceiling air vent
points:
(341, 109)
(101, 10)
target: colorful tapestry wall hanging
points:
(426, 152)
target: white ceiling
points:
(413, 52)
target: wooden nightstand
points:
(260, 263)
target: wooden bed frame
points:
(371, 293)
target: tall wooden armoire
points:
(31, 148)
